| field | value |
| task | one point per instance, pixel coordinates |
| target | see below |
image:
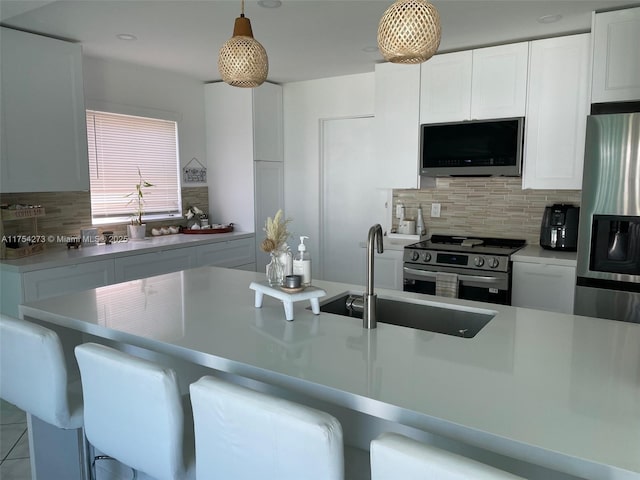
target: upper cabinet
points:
(475, 84)
(616, 56)
(268, 123)
(43, 127)
(557, 109)
(396, 125)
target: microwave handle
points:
(462, 278)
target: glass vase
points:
(275, 270)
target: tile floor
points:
(14, 444)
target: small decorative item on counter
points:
(108, 237)
(194, 217)
(137, 230)
(302, 262)
(274, 243)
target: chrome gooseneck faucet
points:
(370, 298)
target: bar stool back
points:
(33, 374)
(395, 456)
(134, 412)
(243, 434)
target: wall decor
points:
(194, 172)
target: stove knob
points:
(415, 256)
(426, 257)
(478, 261)
(493, 262)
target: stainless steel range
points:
(477, 268)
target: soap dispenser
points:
(302, 262)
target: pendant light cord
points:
(242, 8)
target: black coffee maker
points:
(559, 229)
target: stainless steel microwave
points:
(472, 148)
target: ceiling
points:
(304, 39)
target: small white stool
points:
(288, 299)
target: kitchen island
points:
(552, 390)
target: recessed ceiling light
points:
(269, 3)
(549, 18)
(126, 36)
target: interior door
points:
(350, 203)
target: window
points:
(118, 146)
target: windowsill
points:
(145, 219)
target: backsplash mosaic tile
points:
(483, 206)
(67, 212)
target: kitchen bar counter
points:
(60, 256)
(555, 390)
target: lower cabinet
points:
(232, 254)
(387, 269)
(17, 288)
(543, 286)
(154, 263)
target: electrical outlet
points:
(435, 210)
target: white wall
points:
(132, 88)
(305, 104)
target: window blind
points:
(118, 146)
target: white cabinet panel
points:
(557, 110)
(154, 263)
(396, 125)
(388, 269)
(445, 94)
(232, 254)
(267, 123)
(475, 84)
(269, 193)
(44, 137)
(41, 284)
(616, 56)
(543, 286)
(499, 87)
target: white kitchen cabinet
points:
(144, 265)
(232, 254)
(17, 288)
(445, 92)
(396, 125)
(43, 129)
(557, 109)
(269, 197)
(543, 286)
(244, 126)
(475, 84)
(387, 269)
(616, 57)
(41, 284)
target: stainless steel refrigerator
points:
(608, 268)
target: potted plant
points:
(136, 229)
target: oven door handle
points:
(462, 278)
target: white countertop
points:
(60, 256)
(558, 390)
(537, 254)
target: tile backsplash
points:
(483, 206)
(68, 212)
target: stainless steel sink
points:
(421, 316)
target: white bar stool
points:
(242, 434)
(395, 456)
(133, 412)
(34, 377)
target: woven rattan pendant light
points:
(243, 61)
(409, 32)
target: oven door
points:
(483, 286)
